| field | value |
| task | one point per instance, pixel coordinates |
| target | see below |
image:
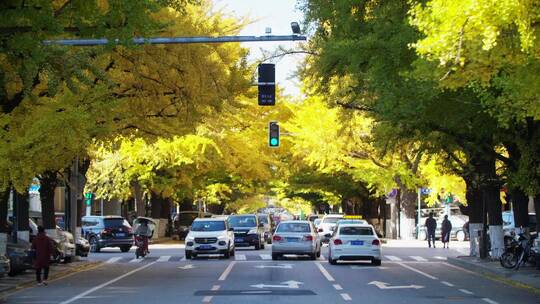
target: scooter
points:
(140, 251)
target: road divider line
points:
(393, 258)
(418, 258)
(338, 287)
(208, 299)
(325, 273)
(225, 273)
(164, 258)
(418, 271)
(490, 301)
(265, 256)
(240, 257)
(113, 260)
(346, 297)
(91, 290)
(447, 284)
(465, 291)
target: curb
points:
(492, 274)
(52, 277)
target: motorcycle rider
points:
(144, 231)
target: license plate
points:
(239, 240)
(357, 243)
(120, 234)
(291, 239)
(205, 247)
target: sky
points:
(278, 15)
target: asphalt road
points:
(408, 275)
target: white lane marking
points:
(325, 273)
(346, 297)
(466, 291)
(208, 299)
(240, 257)
(227, 271)
(490, 301)
(265, 256)
(113, 260)
(136, 260)
(417, 271)
(338, 287)
(447, 284)
(460, 268)
(393, 258)
(441, 258)
(183, 259)
(418, 258)
(383, 285)
(164, 258)
(89, 291)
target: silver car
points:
(296, 237)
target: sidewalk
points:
(28, 278)
(526, 277)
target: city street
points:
(409, 274)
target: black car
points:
(19, 256)
(107, 231)
(248, 231)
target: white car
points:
(210, 236)
(327, 225)
(355, 242)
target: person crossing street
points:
(431, 226)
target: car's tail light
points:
(376, 243)
(338, 242)
(308, 238)
(276, 238)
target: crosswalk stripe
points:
(240, 257)
(265, 256)
(113, 260)
(441, 258)
(164, 258)
(136, 260)
(418, 258)
(393, 258)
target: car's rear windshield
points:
(208, 226)
(115, 222)
(293, 227)
(355, 231)
(185, 219)
(242, 221)
(263, 219)
(331, 220)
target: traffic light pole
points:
(176, 40)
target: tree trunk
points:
(408, 206)
(21, 206)
(48, 183)
(4, 229)
(537, 211)
(520, 205)
(140, 204)
(156, 202)
(474, 210)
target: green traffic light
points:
(273, 141)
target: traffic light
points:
(267, 84)
(88, 198)
(273, 134)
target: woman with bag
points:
(43, 250)
(445, 231)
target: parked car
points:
(4, 266)
(354, 241)
(107, 231)
(64, 242)
(247, 231)
(296, 237)
(509, 224)
(82, 247)
(327, 225)
(19, 256)
(182, 221)
(269, 228)
(210, 236)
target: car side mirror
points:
(328, 235)
(231, 229)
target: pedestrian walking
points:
(431, 226)
(445, 231)
(43, 248)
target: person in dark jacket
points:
(43, 247)
(445, 231)
(431, 226)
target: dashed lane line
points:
(325, 273)
(447, 284)
(89, 291)
(338, 287)
(226, 272)
(417, 271)
(346, 297)
(490, 301)
(465, 291)
(208, 299)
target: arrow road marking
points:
(188, 266)
(383, 285)
(282, 266)
(287, 284)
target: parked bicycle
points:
(518, 252)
